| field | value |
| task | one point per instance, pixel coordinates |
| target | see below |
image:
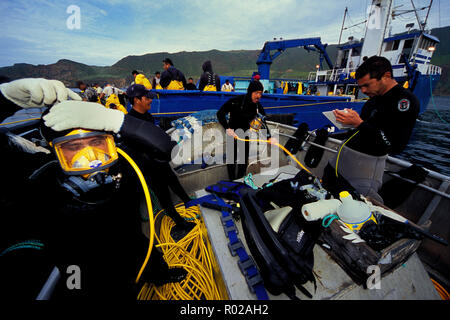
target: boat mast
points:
(342, 28)
(428, 12)
(417, 16)
(377, 23)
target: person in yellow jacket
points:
(113, 102)
(172, 78)
(286, 88)
(140, 78)
(300, 88)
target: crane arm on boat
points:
(265, 59)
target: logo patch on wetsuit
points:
(403, 105)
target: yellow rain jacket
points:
(175, 85)
(141, 79)
(113, 102)
(286, 88)
(210, 87)
(300, 88)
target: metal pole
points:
(342, 28)
(428, 12)
(417, 17)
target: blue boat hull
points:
(423, 89)
(304, 108)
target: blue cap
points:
(138, 90)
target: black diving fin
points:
(315, 153)
(395, 191)
(276, 280)
(296, 269)
(294, 144)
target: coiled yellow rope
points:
(194, 254)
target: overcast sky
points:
(44, 31)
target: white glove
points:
(31, 92)
(83, 114)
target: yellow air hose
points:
(149, 208)
(339, 153)
(440, 289)
(279, 146)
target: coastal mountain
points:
(293, 63)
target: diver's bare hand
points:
(231, 133)
(348, 117)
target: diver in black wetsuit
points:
(384, 127)
(242, 110)
(159, 173)
(77, 206)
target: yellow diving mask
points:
(81, 152)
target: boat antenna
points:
(342, 28)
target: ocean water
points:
(429, 145)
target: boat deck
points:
(409, 281)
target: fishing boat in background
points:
(328, 87)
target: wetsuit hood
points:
(207, 66)
(255, 86)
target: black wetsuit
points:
(242, 111)
(100, 234)
(161, 176)
(388, 123)
(143, 116)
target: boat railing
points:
(336, 75)
(330, 75)
(434, 70)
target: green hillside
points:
(293, 63)
(442, 58)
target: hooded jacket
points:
(241, 109)
(208, 78)
(172, 74)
